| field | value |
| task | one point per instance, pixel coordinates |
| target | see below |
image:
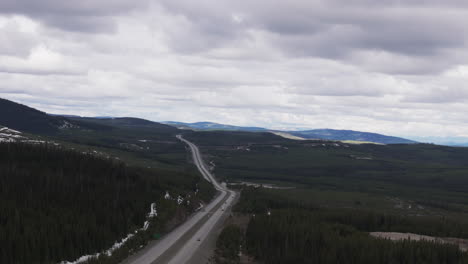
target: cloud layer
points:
(395, 67)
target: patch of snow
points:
(180, 200)
(108, 252)
(117, 244)
(10, 135)
(200, 207)
(67, 125)
(145, 225)
(364, 158)
(153, 211)
(81, 259)
(361, 158)
(9, 130)
(35, 141)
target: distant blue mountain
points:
(328, 134)
(446, 141)
(103, 117)
(213, 126)
(77, 116)
(333, 134)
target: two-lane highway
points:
(179, 246)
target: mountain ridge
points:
(323, 134)
(27, 119)
(24, 118)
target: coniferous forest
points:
(281, 231)
(58, 204)
(295, 236)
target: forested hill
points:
(27, 119)
(73, 186)
(61, 204)
(129, 123)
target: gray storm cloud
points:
(81, 16)
(396, 67)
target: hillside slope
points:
(90, 187)
(60, 204)
(26, 119)
(129, 123)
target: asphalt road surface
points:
(180, 245)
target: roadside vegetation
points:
(59, 204)
(72, 188)
(297, 236)
(288, 231)
(229, 244)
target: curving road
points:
(181, 244)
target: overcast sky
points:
(387, 66)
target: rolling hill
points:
(342, 135)
(326, 134)
(213, 126)
(26, 119)
(128, 122)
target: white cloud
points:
(381, 67)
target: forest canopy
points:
(59, 204)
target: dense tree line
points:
(58, 204)
(257, 200)
(298, 236)
(228, 245)
(297, 232)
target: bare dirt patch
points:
(395, 236)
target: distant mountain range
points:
(446, 141)
(344, 135)
(23, 118)
(328, 134)
(213, 126)
(29, 120)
